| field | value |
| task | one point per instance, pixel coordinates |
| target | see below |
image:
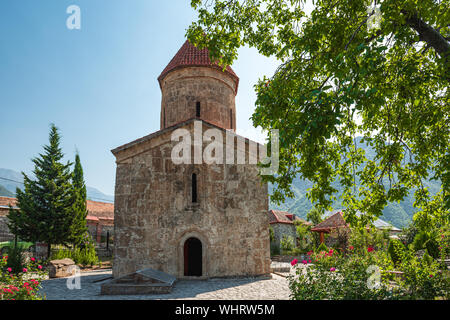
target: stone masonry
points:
(155, 213)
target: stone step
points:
(147, 281)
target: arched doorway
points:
(193, 257)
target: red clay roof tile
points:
(277, 216)
(334, 221)
(190, 56)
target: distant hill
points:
(397, 214)
(10, 180)
(96, 195)
(5, 193)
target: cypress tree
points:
(79, 226)
(46, 203)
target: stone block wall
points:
(5, 234)
(214, 89)
(154, 213)
(281, 229)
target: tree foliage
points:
(79, 226)
(45, 211)
(339, 78)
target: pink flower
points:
(369, 249)
(351, 247)
(309, 261)
(309, 253)
(304, 262)
(332, 269)
(294, 262)
(9, 269)
(33, 259)
(431, 276)
(25, 270)
(39, 267)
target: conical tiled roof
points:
(191, 56)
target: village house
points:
(100, 219)
(336, 221)
(283, 225)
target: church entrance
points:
(193, 257)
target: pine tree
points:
(79, 226)
(46, 203)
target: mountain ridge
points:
(10, 180)
(398, 214)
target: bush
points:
(271, 234)
(287, 244)
(321, 248)
(361, 239)
(422, 279)
(305, 237)
(409, 233)
(274, 249)
(20, 284)
(355, 276)
(419, 241)
(16, 259)
(432, 247)
(335, 277)
(84, 255)
(394, 250)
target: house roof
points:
(379, 223)
(277, 216)
(96, 209)
(334, 221)
(5, 202)
(102, 210)
(191, 56)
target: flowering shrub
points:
(367, 274)
(21, 284)
(423, 278)
(335, 276)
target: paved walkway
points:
(214, 289)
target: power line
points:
(11, 180)
(111, 201)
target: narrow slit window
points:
(231, 118)
(194, 188)
(197, 109)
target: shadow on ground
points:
(90, 283)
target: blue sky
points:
(97, 84)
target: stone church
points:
(191, 219)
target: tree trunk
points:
(427, 33)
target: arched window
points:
(194, 188)
(197, 109)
